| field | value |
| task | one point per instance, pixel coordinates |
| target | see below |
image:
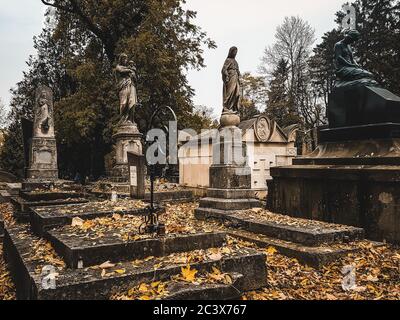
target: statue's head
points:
(123, 59)
(352, 36)
(233, 52)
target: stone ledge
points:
(229, 204)
(231, 193)
(74, 249)
(339, 172)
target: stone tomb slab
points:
(315, 257)
(46, 218)
(99, 284)
(36, 196)
(308, 233)
(159, 196)
(79, 252)
(23, 207)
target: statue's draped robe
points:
(347, 74)
(127, 92)
(232, 91)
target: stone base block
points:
(231, 193)
(43, 159)
(362, 196)
(230, 177)
(128, 139)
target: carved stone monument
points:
(127, 136)
(43, 149)
(352, 177)
(230, 176)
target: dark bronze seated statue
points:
(357, 99)
(348, 72)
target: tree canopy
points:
(77, 52)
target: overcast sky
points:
(248, 24)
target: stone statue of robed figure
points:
(125, 74)
(232, 91)
(127, 136)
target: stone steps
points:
(77, 251)
(95, 283)
(311, 233)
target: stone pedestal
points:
(43, 160)
(230, 176)
(128, 139)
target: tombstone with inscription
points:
(43, 147)
(137, 175)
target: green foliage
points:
(279, 104)
(202, 118)
(254, 96)
(321, 65)
(77, 52)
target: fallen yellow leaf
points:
(271, 251)
(120, 271)
(189, 274)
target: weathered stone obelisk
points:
(43, 150)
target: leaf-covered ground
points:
(377, 269)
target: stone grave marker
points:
(137, 174)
